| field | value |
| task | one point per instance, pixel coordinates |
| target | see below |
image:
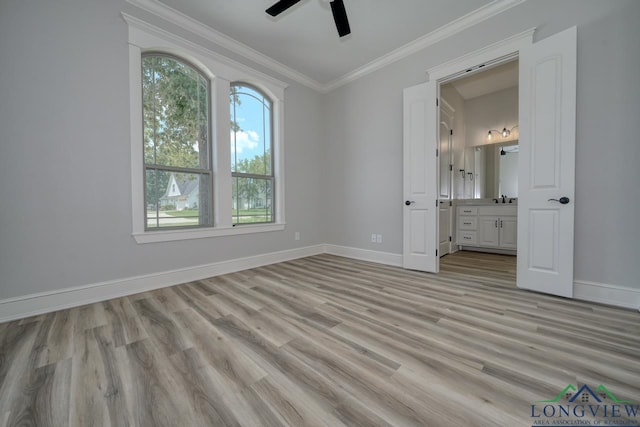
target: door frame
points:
(475, 62)
(492, 55)
(425, 98)
(522, 45)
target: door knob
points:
(562, 200)
(409, 203)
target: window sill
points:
(173, 235)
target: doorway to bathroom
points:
(478, 179)
(546, 170)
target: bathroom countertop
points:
(483, 202)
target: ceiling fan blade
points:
(280, 7)
(340, 16)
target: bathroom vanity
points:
(487, 227)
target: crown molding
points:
(475, 17)
(223, 61)
(169, 14)
(456, 26)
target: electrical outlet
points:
(379, 238)
(373, 238)
(296, 235)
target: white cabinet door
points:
(420, 179)
(547, 104)
(488, 231)
(508, 232)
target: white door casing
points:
(547, 109)
(417, 253)
(420, 163)
(420, 178)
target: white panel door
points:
(420, 178)
(547, 169)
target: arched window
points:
(177, 149)
(251, 155)
(183, 184)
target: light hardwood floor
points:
(319, 341)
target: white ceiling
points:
(304, 40)
(492, 80)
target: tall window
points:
(177, 154)
(251, 155)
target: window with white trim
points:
(177, 160)
(184, 133)
(251, 159)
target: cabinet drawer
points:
(498, 210)
(467, 223)
(470, 210)
(467, 238)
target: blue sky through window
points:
(252, 114)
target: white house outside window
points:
(203, 163)
(178, 175)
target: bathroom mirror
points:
(491, 170)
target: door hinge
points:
(449, 238)
(450, 131)
(437, 104)
(436, 152)
(437, 203)
(436, 252)
(451, 167)
(450, 203)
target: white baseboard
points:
(365, 255)
(607, 294)
(44, 302)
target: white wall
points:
(365, 139)
(65, 202)
(493, 111)
(65, 191)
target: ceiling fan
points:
(337, 8)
